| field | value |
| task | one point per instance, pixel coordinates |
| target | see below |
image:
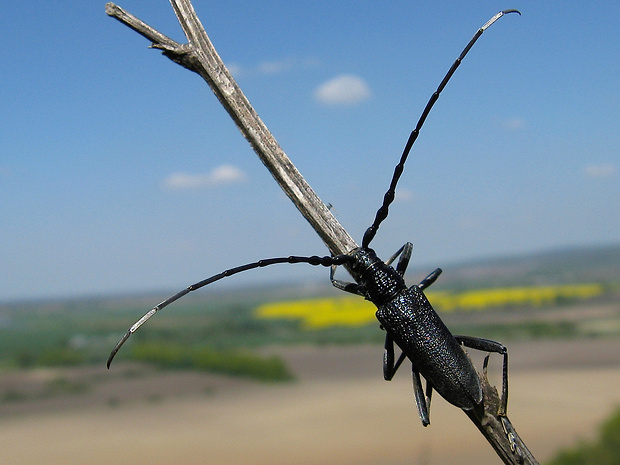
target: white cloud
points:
(222, 175)
(235, 69)
(273, 67)
(345, 89)
(403, 195)
(514, 124)
(605, 170)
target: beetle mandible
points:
(409, 320)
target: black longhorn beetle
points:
(409, 320)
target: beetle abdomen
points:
(417, 329)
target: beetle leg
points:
(487, 345)
(423, 400)
(389, 367)
(353, 288)
(420, 399)
(393, 257)
(403, 262)
(430, 279)
(492, 346)
(429, 394)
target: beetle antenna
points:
(313, 260)
(388, 198)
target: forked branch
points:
(199, 56)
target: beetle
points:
(404, 313)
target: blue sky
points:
(120, 172)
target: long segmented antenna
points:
(382, 213)
(313, 260)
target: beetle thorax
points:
(380, 282)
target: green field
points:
(221, 331)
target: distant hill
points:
(600, 264)
(568, 265)
(561, 266)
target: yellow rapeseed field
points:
(355, 311)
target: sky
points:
(121, 173)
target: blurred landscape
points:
(212, 379)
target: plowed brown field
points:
(339, 411)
